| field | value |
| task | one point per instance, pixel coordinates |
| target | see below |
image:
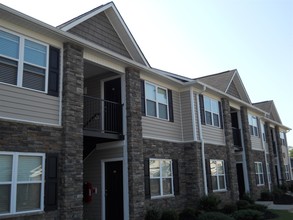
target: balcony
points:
(102, 119)
(237, 139)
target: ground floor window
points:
(21, 182)
(259, 176)
(218, 175)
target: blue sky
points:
(196, 38)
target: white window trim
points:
(251, 120)
(217, 175)
(282, 137)
(157, 102)
(212, 113)
(161, 180)
(13, 182)
(261, 181)
(21, 62)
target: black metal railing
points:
(102, 116)
(237, 138)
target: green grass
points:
(283, 215)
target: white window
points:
(156, 101)
(212, 112)
(21, 182)
(259, 177)
(23, 62)
(253, 125)
(287, 175)
(161, 177)
(263, 132)
(282, 137)
(218, 175)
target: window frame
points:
(217, 175)
(287, 172)
(157, 103)
(218, 114)
(259, 173)
(21, 61)
(14, 182)
(282, 137)
(253, 125)
(161, 177)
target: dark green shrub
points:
(152, 214)
(291, 186)
(283, 199)
(188, 214)
(242, 204)
(248, 198)
(229, 208)
(169, 215)
(266, 196)
(284, 187)
(258, 207)
(247, 214)
(209, 203)
(214, 216)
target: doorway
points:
(240, 179)
(113, 190)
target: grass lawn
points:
(283, 214)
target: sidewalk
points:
(271, 205)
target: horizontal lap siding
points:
(161, 129)
(23, 104)
(213, 135)
(186, 116)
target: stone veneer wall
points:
(280, 154)
(271, 154)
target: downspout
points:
(202, 144)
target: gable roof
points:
(269, 106)
(228, 82)
(122, 33)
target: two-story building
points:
(89, 130)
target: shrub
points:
(209, 203)
(291, 186)
(242, 204)
(247, 214)
(229, 208)
(266, 196)
(169, 215)
(283, 199)
(284, 187)
(214, 216)
(188, 214)
(258, 207)
(248, 198)
(152, 214)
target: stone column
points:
(71, 186)
(248, 150)
(134, 144)
(231, 162)
(269, 139)
(280, 154)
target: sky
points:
(194, 38)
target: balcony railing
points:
(102, 116)
(237, 138)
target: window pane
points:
(8, 71)
(222, 182)
(207, 104)
(155, 187)
(29, 168)
(5, 198)
(9, 44)
(162, 96)
(35, 53)
(208, 118)
(213, 165)
(28, 197)
(151, 108)
(214, 182)
(34, 77)
(5, 168)
(154, 168)
(166, 168)
(150, 91)
(216, 120)
(220, 167)
(255, 131)
(215, 106)
(167, 186)
(163, 111)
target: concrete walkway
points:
(271, 205)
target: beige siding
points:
(213, 135)
(93, 174)
(22, 104)
(186, 116)
(256, 143)
(161, 129)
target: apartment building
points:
(89, 130)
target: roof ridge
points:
(215, 74)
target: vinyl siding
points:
(93, 174)
(161, 129)
(26, 105)
(256, 143)
(186, 116)
(213, 135)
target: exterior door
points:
(114, 190)
(240, 178)
(112, 106)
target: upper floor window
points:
(218, 175)
(253, 125)
(282, 137)
(212, 111)
(259, 176)
(23, 62)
